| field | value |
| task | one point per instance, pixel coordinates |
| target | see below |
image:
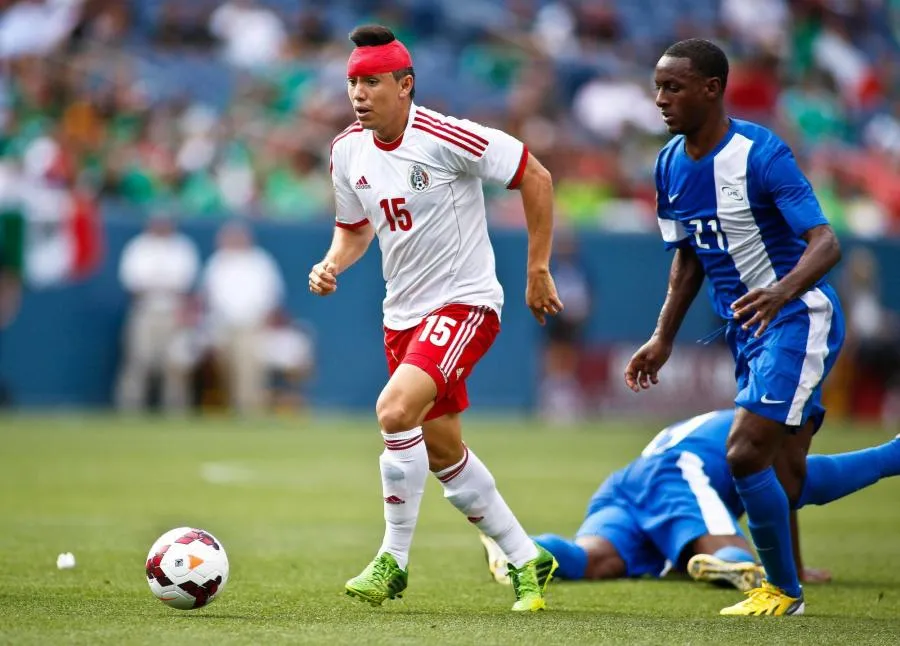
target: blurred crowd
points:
(216, 108)
(212, 336)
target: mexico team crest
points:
(419, 178)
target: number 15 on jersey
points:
(396, 216)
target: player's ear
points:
(406, 85)
(714, 88)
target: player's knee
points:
(443, 455)
(394, 416)
(747, 454)
(790, 466)
(604, 568)
(603, 560)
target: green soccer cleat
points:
(530, 581)
(382, 579)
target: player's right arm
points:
(353, 233)
(685, 279)
(347, 246)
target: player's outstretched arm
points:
(685, 280)
(537, 198)
(347, 246)
(806, 574)
(759, 306)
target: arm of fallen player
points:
(806, 574)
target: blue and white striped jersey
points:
(743, 207)
(693, 450)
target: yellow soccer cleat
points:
(766, 600)
(744, 576)
(496, 560)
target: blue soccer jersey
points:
(702, 437)
(743, 208)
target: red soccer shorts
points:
(446, 344)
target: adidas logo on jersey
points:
(362, 183)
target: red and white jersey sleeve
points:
(476, 150)
(423, 195)
(349, 211)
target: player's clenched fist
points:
(323, 278)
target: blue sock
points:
(572, 558)
(734, 554)
(767, 516)
(829, 477)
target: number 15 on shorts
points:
(437, 330)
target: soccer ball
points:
(187, 568)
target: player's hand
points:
(642, 370)
(761, 305)
(323, 278)
(815, 575)
(541, 296)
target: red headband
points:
(378, 59)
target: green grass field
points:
(297, 506)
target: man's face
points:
(234, 237)
(161, 227)
(378, 98)
(684, 97)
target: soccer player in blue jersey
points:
(676, 507)
(737, 210)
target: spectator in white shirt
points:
(243, 288)
(36, 27)
(158, 268)
(252, 36)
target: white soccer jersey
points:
(423, 195)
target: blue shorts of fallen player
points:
(651, 522)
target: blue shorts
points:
(651, 522)
(780, 374)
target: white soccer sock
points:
(470, 487)
(404, 469)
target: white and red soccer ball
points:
(187, 568)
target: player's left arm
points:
(794, 197)
(806, 574)
(503, 159)
(536, 188)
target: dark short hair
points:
(706, 57)
(372, 35)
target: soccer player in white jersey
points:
(737, 210)
(413, 178)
